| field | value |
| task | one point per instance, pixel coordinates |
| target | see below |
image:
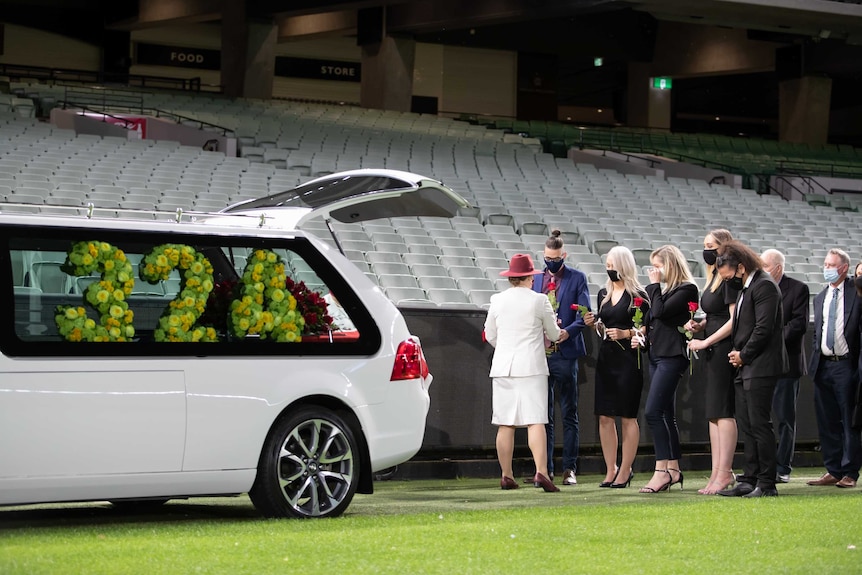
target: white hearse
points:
(147, 360)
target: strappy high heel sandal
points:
(680, 480)
(664, 487)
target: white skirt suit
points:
(518, 321)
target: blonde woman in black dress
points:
(717, 301)
(619, 375)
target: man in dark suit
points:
(794, 295)
(569, 287)
(760, 358)
(834, 367)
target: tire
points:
(309, 467)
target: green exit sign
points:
(662, 83)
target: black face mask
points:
(554, 267)
(709, 256)
(735, 283)
(614, 275)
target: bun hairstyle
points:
(555, 241)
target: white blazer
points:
(518, 318)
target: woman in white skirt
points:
(518, 322)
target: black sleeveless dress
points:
(619, 380)
(719, 392)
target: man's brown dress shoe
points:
(825, 479)
(846, 482)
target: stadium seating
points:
(519, 192)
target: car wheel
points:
(309, 466)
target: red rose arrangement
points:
(312, 306)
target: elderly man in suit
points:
(794, 296)
(834, 368)
(760, 358)
(565, 286)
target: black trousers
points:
(753, 417)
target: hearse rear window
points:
(103, 292)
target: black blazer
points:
(667, 312)
(852, 310)
(794, 295)
(758, 329)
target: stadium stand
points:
(520, 192)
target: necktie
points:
(831, 320)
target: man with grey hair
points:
(834, 368)
(794, 296)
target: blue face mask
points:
(831, 275)
(553, 267)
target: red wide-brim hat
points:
(520, 265)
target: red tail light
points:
(409, 361)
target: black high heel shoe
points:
(680, 480)
(663, 487)
(624, 485)
(611, 482)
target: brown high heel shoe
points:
(508, 483)
(545, 483)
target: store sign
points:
(286, 66)
(177, 56)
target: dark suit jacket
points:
(668, 312)
(794, 295)
(758, 329)
(571, 289)
(852, 311)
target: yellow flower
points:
(119, 295)
(117, 311)
(87, 260)
(89, 324)
(109, 265)
(103, 296)
(71, 313)
(277, 296)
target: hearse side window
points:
(85, 292)
(325, 192)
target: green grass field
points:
(455, 526)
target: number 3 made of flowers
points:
(107, 296)
(265, 306)
(179, 320)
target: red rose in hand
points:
(552, 285)
(638, 301)
(692, 306)
(574, 306)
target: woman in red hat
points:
(517, 323)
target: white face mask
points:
(831, 275)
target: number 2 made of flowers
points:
(107, 296)
(179, 321)
(265, 307)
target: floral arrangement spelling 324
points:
(266, 303)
